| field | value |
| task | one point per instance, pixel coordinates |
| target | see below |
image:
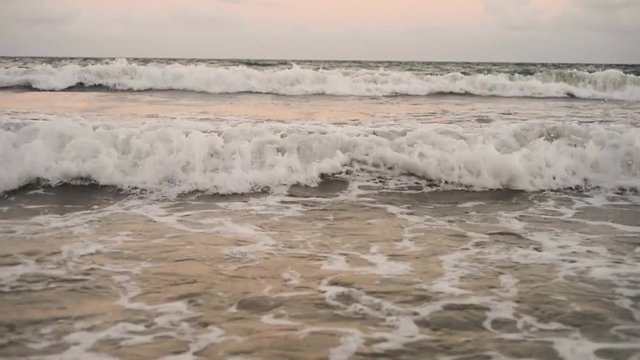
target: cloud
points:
(607, 16)
(577, 15)
(514, 14)
(36, 12)
(468, 30)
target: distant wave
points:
(226, 158)
(123, 75)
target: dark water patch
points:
(456, 202)
(328, 187)
(454, 320)
(201, 197)
(627, 217)
(39, 199)
(618, 354)
(258, 304)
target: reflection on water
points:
(446, 109)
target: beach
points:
(186, 209)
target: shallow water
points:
(323, 229)
(332, 271)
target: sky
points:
(599, 31)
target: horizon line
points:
(326, 60)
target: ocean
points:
(263, 209)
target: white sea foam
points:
(246, 157)
(295, 80)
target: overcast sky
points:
(457, 30)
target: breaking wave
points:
(295, 80)
(244, 157)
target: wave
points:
(123, 75)
(246, 157)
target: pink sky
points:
(504, 30)
(327, 12)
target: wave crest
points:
(123, 75)
(223, 158)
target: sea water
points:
(179, 209)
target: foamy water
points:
(194, 226)
(299, 80)
(246, 157)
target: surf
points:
(295, 80)
(241, 157)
